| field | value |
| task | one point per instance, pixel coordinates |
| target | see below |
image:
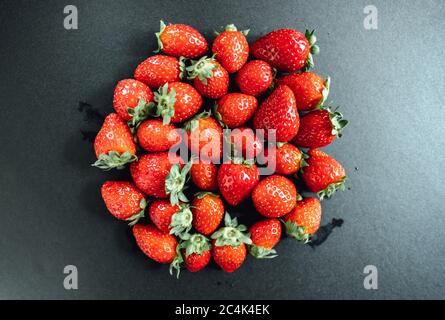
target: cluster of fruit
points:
(144, 130)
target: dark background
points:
(389, 82)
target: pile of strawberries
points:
(274, 92)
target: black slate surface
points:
(388, 81)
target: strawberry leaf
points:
(262, 253)
(158, 36)
(114, 160)
(332, 188)
(165, 103)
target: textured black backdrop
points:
(389, 82)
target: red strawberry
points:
(309, 89)
(194, 253)
(208, 211)
(173, 219)
(229, 245)
(255, 77)
(236, 180)
(159, 70)
(265, 234)
(285, 157)
(235, 109)
(132, 100)
(231, 48)
(159, 175)
(154, 136)
(302, 222)
(114, 144)
(279, 112)
(177, 102)
(157, 245)
(274, 196)
(245, 143)
(205, 137)
(319, 128)
(323, 174)
(124, 200)
(286, 49)
(204, 175)
(209, 77)
(181, 40)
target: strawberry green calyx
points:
(195, 243)
(262, 253)
(332, 188)
(193, 123)
(181, 222)
(177, 262)
(297, 232)
(232, 28)
(248, 163)
(202, 194)
(218, 116)
(182, 68)
(165, 103)
(135, 218)
(202, 68)
(325, 93)
(114, 160)
(232, 234)
(175, 183)
(158, 36)
(141, 112)
(314, 49)
(303, 162)
(338, 123)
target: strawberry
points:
(302, 222)
(159, 175)
(169, 218)
(159, 70)
(323, 174)
(208, 211)
(245, 143)
(231, 49)
(286, 49)
(254, 78)
(114, 144)
(274, 196)
(177, 102)
(132, 100)
(286, 158)
(193, 252)
(235, 109)
(265, 234)
(124, 200)
(181, 40)
(319, 128)
(229, 245)
(209, 77)
(154, 136)
(157, 245)
(204, 175)
(205, 137)
(278, 112)
(236, 180)
(309, 89)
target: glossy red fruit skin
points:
(207, 213)
(254, 78)
(245, 143)
(266, 233)
(229, 258)
(236, 109)
(195, 262)
(150, 171)
(315, 130)
(115, 135)
(122, 198)
(127, 94)
(208, 135)
(307, 88)
(157, 245)
(284, 49)
(217, 86)
(158, 70)
(204, 175)
(180, 40)
(231, 49)
(154, 136)
(287, 158)
(279, 112)
(161, 212)
(188, 101)
(322, 170)
(275, 196)
(307, 213)
(236, 181)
